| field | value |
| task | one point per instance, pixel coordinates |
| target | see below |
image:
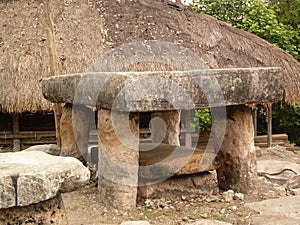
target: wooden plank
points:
(263, 138)
(167, 160)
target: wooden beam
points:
(16, 141)
(254, 116)
(269, 124)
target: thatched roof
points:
(87, 29)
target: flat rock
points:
(281, 211)
(34, 176)
(127, 91)
(162, 161)
(51, 149)
(278, 171)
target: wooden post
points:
(254, 116)
(54, 71)
(269, 124)
(16, 141)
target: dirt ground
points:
(84, 207)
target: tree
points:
(263, 19)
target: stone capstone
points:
(31, 177)
(166, 90)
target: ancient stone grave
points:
(120, 97)
(31, 183)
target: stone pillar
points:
(51, 211)
(118, 158)
(167, 132)
(237, 157)
(75, 126)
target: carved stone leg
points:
(118, 158)
(75, 126)
(167, 132)
(237, 157)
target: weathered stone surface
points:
(283, 211)
(237, 170)
(165, 127)
(169, 90)
(32, 177)
(75, 127)
(118, 158)
(228, 195)
(160, 161)
(49, 149)
(280, 172)
(48, 212)
(194, 184)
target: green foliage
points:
(263, 19)
(286, 119)
(288, 11)
(202, 120)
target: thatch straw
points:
(87, 29)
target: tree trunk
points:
(57, 108)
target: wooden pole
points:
(16, 141)
(57, 108)
(269, 124)
(254, 116)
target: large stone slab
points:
(281, 211)
(161, 161)
(167, 90)
(33, 177)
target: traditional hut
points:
(86, 30)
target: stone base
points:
(204, 183)
(44, 213)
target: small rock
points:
(228, 195)
(141, 222)
(295, 191)
(234, 208)
(222, 211)
(204, 215)
(239, 196)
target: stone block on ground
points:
(194, 184)
(32, 177)
(47, 212)
(159, 161)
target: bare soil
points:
(83, 206)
